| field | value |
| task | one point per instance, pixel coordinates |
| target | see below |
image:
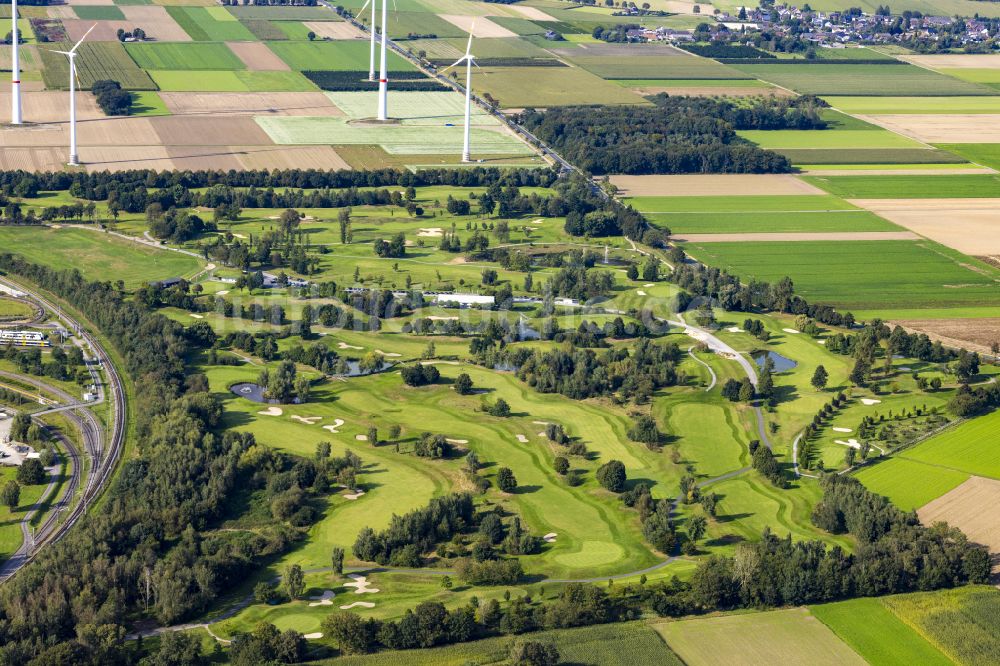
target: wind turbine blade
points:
(472, 29)
(363, 7)
(457, 62)
(73, 50)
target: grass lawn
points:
(148, 103)
(835, 79)
(338, 56)
(893, 105)
(860, 274)
(877, 635)
(946, 186)
(97, 255)
(791, 636)
(972, 447)
(828, 138)
(909, 484)
(210, 24)
(987, 154)
(12, 308)
(710, 222)
(283, 13)
(10, 521)
(184, 56)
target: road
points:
(102, 448)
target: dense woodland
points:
(677, 135)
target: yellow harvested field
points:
(290, 157)
(970, 507)
(32, 159)
(972, 334)
(942, 127)
(484, 27)
(156, 21)
(281, 104)
(708, 185)
(107, 31)
(956, 61)
(335, 29)
(967, 225)
(117, 132)
(208, 131)
(798, 236)
(532, 13)
(47, 106)
(62, 12)
(257, 56)
(104, 3)
(791, 636)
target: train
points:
(23, 338)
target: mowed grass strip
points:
(184, 56)
(97, 61)
(828, 138)
(713, 223)
(892, 157)
(97, 255)
(795, 203)
(919, 105)
(336, 56)
(888, 80)
(877, 635)
(972, 447)
(909, 484)
(986, 154)
(862, 274)
(944, 186)
(791, 636)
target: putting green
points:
(592, 554)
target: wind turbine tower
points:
(74, 158)
(15, 69)
(371, 49)
(383, 80)
(469, 61)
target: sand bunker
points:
(649, 284)
(522, 439)
(439, 363)
(842, 429)
(357, 604)
(333, 428)
(325, 599)
(344, 345)
(734, 329)
(853, 443)
(439, 318)
(313, 636)
(791, 330)
(354, 496)
(308, 420)
(360, 584)
(821, 342)
(361, 438)
(197, 316)
(538, 221)
(541, 423)
(870, 401)
(640, 292)
(222, 293)
(430, 231)
(550, 537)
(390, 354)
(271, 411)
(456, 441)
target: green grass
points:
(338, 56)
(98, 13)
(402, 24)
(264, 30)
(712, 223)
(692, 83)
(708, 436)
(293, 30)
(210, 24)
(877, 635)
(947, 186)
(97, 61)
(230, 81)
(987, 154)
(960, 622)
(990, 77)
(522, 26)
(886, 158)
(882, 80)
(12, 308)
(97, 255)
(148, 103)
(655, 67)
(829, 138)
(551, 86)
(10, 520)
(908, 484)
(972, 447)
(283, 13)
(184, 56)
(862, 274)
(892, 105)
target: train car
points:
(23, 338)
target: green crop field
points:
(204, 25)
(283, 13)
(656, 67)
(97, 61)
(829, 138)
(264, 30)
(98, 13)
(892, 105)
(710, 222)
(184, 56)
(948, 186)
(230, 81)
(972, 447)
(791, 636)
(887, 158)
(97, 255)
(908, 484)
(518, 25)
(402, 24)
(148, 103)
(336, 56)
(987, 154)
(877, 635)
(960, 622)
(862, 274)
(551, 86)
(887, 80)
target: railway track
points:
(102, 446)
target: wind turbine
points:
(371, 53)
(74, 159)
(469, 61)
(15, 69)
(383, 81)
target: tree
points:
(373, 435)
(337, 561)
(310, 35)
(177, 648)
(11, 494)
(506, 481)
(819, 378)
(561, 465)
(534, 653)
(696, 527)
(31, 472)
(500, 408)
(632, 273)
(746, 390)
(611, 475)
(859, 373)
(463, 384)
(294, 580)
(446, 582)
(352, 634)
(645, 430)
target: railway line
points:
(102, 446)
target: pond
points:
(251, 391)
(781, 363)
(350, 368)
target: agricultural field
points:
(884, 80)
(972, 447)
(911, 186)
(554, 86)
(97, 61)
(180, 56)
(907, 483)
(336, 56)
(921, 105)
(210, 24)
